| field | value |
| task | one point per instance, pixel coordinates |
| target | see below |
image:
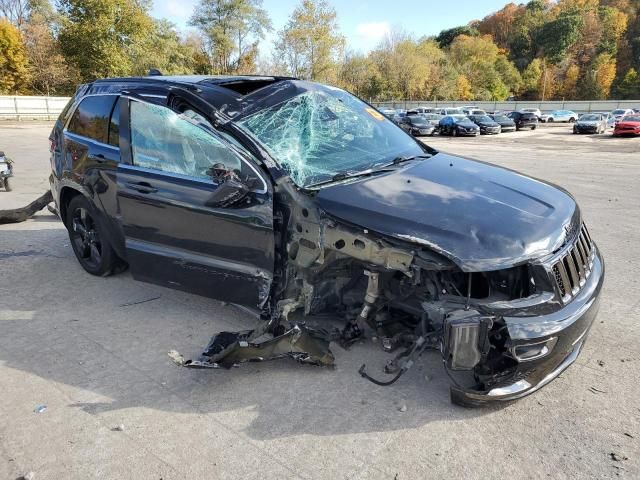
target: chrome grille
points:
(574, 267)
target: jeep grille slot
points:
(574, 267)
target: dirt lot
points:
(98, 360)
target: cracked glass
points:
(326, 131)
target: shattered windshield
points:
(326, 131)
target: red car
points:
(629, 125)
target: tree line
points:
(571, 49)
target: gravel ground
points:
(117, 407)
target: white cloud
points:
(372, 32)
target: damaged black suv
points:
(307, 205)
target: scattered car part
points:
(21, 214)
(301, 343)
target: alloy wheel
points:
(85, 237)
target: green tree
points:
(629, 87)
(558, 35)
(100, 37)
(232, 29)
(310, 44)
(531, 78)
(49, 73)
(13, 61)
(446, 37)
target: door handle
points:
(142, 187)
(98, 157)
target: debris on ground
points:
(301, 343)
(618, 457)
(40, 409)
(402, 408)
(627, 434)
(119, 428)
(596, 390)
(27, 476)
(601, 363)
(18, 215)
(139, 302)
(177, 358)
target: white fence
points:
(581, 106)
(31, 108)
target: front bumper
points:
(570, 325)
(589, 129)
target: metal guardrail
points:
(31, 107)
(579, 106)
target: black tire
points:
(454, 132)
(88, 239)
(572, 120)
(534, 127)
(7, 185)
(550, 120)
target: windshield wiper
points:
(370, 171)
(346, 175)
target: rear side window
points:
(91, 118)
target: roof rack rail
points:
(154, 72)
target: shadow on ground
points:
(62, 324)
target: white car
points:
(535, 111)
(618, 113)
(562, 116)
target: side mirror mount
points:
(231, 188)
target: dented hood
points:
(481, 216)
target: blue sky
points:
(362, 22)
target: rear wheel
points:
(550, 120)
(571, 120)
(454, 132)
(88, 241)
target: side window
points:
(91, 118)
(163, 140)
(114, 124)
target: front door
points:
(175, 234)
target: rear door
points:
(175, 235)
(90, 149)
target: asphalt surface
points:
(117, 407)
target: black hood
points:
(481, 216)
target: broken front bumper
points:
(569, 326)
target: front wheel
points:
(88, 240)
(550, 120)
(572, 120)
(534, 127)
(454, 132)
(5, 183)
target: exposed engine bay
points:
(407, 295)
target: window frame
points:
(128, 157)
(74, 108)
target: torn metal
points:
(301, 343)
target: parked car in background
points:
(535, 111)
(425, 109)
(636, 110)
(397, 118)
(432, 118)
(562, 116)
(451, 111)
(524, 120)
(488, 126)
(473, 111)
(608, 118)
(416, 125)
(387, 112)
(506, 123)
(590, 123)
(619, 113)
(458, 125)
(629, 125)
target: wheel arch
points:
(66, 194)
